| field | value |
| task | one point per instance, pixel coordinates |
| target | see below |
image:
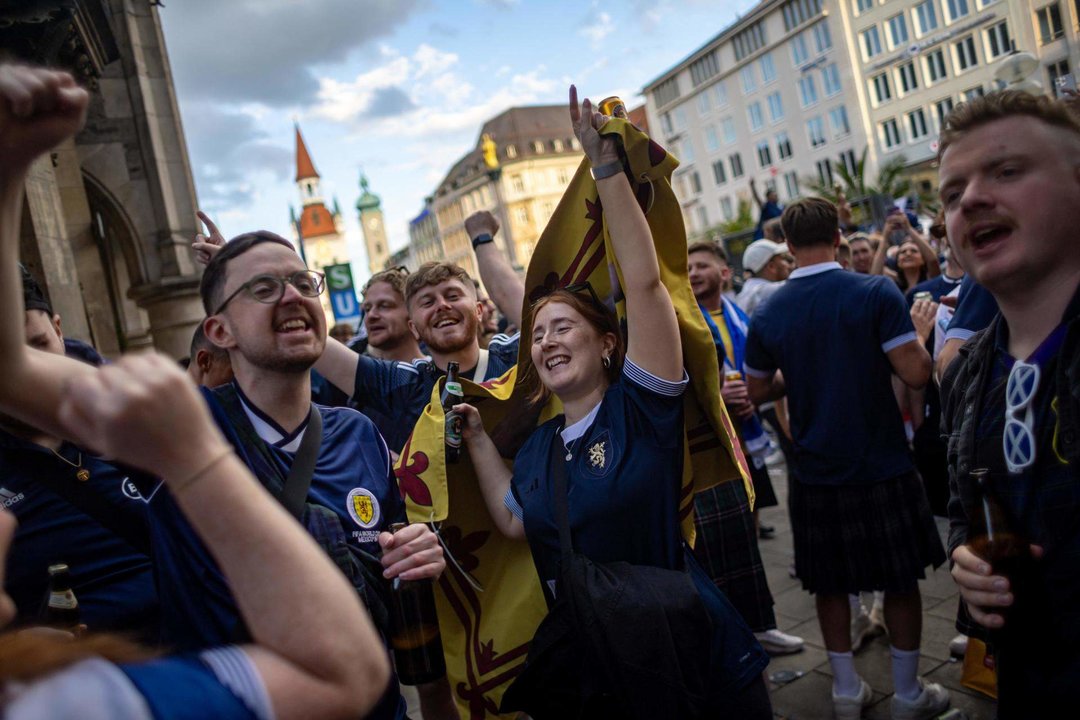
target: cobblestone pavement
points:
(808, 697)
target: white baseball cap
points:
(758, 254)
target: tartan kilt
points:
(763, 489)
(853, 538)
(727, 549)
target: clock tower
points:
(371, 223)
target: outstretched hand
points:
(481, 222)
(39, 109)
(586, 121)
(207, 246)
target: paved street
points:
(808, 697)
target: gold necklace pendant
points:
(82, 475)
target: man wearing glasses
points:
(1010, 183)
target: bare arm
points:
(911, 363)
(314, 645)
(502, 282)
(491, 471)
(754, 193)
(653, 343)
(763, 390)
(877, 267)
(933, 265)
(38, 110)
(948, 353)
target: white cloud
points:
(599, 27)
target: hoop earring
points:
(606, 362)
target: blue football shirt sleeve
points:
(894, 324)
(379, 382)
(224, 680)
(758, 361)
(505, 349)
(975, 309)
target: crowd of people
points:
(899, 373)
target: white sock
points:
(879, 599)
(856, 604)
(905, 673)
(845, 679)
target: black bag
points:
(621, 640)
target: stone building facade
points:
(109, 216)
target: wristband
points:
(482, 239)
(605, 171)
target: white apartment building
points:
(833, 77)
(773, 97)
(917, 59)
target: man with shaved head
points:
(1010, 186)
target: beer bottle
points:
(994, 537)
(61, 607)
(452, 394)
(414, 630)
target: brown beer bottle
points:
(414, 630)
(994, 537)
(452, 394)
(61, 607)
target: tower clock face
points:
(373, 224)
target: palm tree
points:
(890, 180)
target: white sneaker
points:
(864, 629)
(779, 643)
(958, 646)
(850, 708)
(931, 702)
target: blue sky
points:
(397, 88)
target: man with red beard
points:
(1010, 184)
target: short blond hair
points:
(433, 273)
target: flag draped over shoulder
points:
(576, 248)
(489, 599)
(486, 633)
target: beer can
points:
(612, 107)
(732, 375)
(924, 295)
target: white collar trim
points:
(815, 269)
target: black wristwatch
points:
(481, 239)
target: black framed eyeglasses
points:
(268, 289)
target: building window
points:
(871, 43)
(695, 182)
(665, 125)
(749, 85)
(666, 91)
(965, 53)
(704, 68)
(898, 35)
(704, 104)
(757, 119)
(935, 66)
(825, 171)
(783, 146)
(538, 147)
(926, 17)
(975, 92)
(736, 165)
(791, 184)
(957, 9)
(807, 90)
(882, 92)
(686, 153)
(799, 52)
(557, 145)
(764, 154)
(847, 159)
(749, 41)
(720, 94)
(942, 108)
(997, 40)
(522, 214)
(679, 117)
(712, 139)
(719, 175)
(839, 120)
(768, 69)
(1050, 27)
(890, 133)
(822, 37)
(776, 107)
(517, 182)
(1054, 71)
(797, 12)
(917, 124)
(830, 78)
(727, 128)
(815, 131)
(908, 80)
(727, 209)
(702, 217)
(862, 6)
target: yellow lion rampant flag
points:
(489, 599)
